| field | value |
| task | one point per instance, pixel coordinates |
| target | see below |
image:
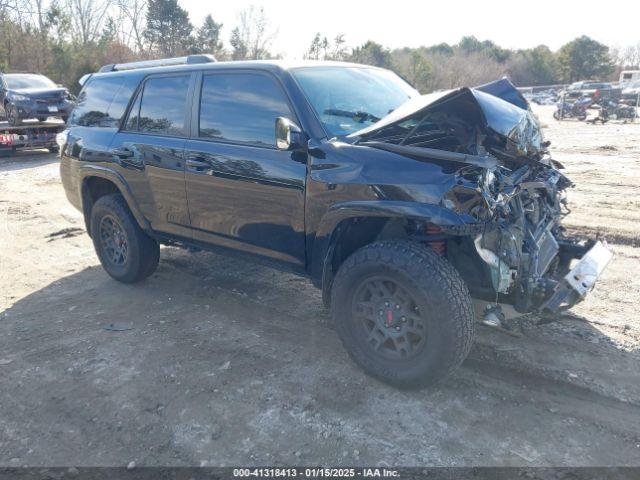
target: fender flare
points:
(329, 225)
(88, 171)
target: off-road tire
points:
(143, 252)
(436, 287)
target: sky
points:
(510, 24)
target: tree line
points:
(64, 39)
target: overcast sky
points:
(512, 24)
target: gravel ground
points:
(227, 362)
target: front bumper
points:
(36, 109)
(580, 280)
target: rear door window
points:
(160, 106)
(241, 108)
(103, 102)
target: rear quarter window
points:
(160, 106)
(103, 102)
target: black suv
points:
(30, 95)
(401, 207)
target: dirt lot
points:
(227, 362)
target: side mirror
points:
(288, 134)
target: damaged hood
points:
(492, 117)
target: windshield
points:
(18, 81)
(347, 99)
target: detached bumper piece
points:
(580, 280)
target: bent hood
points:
(466, 120)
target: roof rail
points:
(162, 62)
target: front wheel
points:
(403, 313)
(125, 251)
(13, 117)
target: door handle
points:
(126, 158)
(197, 165)
(122, 152)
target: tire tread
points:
(426, 268)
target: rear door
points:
(150, 147)
(244, 193)
(99, 112)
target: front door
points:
(151, 147)
(242, 192)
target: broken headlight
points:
(474, 193)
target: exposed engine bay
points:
(508, 192)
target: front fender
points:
(330, 223)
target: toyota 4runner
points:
(400, 207)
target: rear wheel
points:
(403, 313)
(125, 251)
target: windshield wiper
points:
(358, 116)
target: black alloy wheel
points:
(391, 319)
(113, 240)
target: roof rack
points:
(162, 62)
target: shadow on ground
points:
(22, 160)
(220, 360)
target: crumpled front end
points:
(511, 195)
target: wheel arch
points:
(346, 227)
(99, 181)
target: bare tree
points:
(461, 69)
(135, 12)
(629, 56)
(253, 36)
(88, 17)
(339, 50)
(321, 48)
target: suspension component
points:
(439, 246)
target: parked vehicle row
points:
(598, 91)
(611, 101)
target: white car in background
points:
(631, 93)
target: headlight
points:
(19, 98)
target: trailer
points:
(29, 135)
